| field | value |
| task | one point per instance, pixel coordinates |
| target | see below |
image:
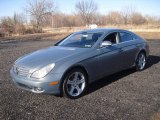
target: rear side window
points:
(125, 37)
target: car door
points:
(110, 57)
(128, 48)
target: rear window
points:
(125, 37)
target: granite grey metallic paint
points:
(98, 62)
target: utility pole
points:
(52, 19)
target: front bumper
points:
(37, 86)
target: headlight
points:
(43, 71)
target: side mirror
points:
(106, 43)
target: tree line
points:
(43, 13)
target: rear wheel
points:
(75, 83)
(141, 61)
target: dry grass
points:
(58, 36)
(130, 26)
(145, 31)
(39, 36)
(149, 35)
(156, 116)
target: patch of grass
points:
(149, 35)
(39, 36)
(59, 36)
(156, 116)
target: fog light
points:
(38, 90)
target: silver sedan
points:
(73, 63)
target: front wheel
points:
(141, 61)
(75, 83)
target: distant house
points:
(93, 26)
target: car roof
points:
(103, 30)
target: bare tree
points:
(18, 21)
(13, 25)
(137, 19)
(38, 9)
(7, 25)
(114, 17)
(127, 11)
(99, 19)
(152, 19)
(87, 10)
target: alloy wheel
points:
(141, 61)
(75, 83)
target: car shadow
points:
(152, 59)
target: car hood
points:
(47, 56)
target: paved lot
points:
(127, 95)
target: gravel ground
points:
(128, 95)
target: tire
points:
(75, 83)
(141, 61)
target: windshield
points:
(84, 39)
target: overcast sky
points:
(146, 7)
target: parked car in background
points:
(83, 57)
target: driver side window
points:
(112, 37)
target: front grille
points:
(21, 71)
